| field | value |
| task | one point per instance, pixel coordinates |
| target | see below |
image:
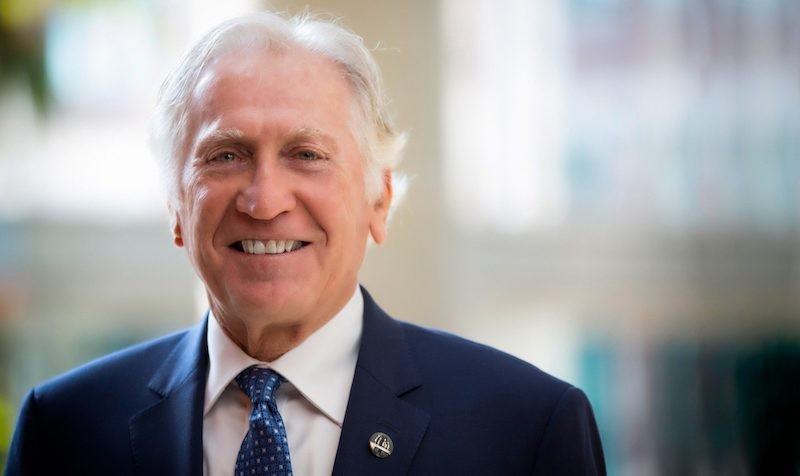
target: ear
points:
(175, 222)
(380, 210)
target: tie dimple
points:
(265, 449)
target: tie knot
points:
(259, 383)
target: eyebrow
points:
(228, 135)
(314, 134)
(219, 137)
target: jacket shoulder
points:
(462, 378)
(83, 417)
(121, 369)
(452, 357)
(537, 422)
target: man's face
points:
(272, 209)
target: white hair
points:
(381, 145)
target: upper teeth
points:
(271, 247)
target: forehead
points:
(293, 78)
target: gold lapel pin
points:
(381, 445)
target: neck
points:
(266, 337)
(265, 343)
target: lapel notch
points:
(166, 437)
(385, 372)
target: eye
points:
(308, 155)
(224, 157)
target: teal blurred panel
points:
(598, 374)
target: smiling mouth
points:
(269, 247)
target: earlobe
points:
(380, 212)
(177, 235)
(378, 231)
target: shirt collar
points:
(321, 368)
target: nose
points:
(267, 194)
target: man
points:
(280, 152)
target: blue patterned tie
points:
(265, 449)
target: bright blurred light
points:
(82, 43)
(657, 115)
(503, 114)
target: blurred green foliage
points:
(6, 428)
(22, 29)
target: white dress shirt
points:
(312, 402)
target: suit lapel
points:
(166, 437)
(385, 371)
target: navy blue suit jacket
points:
(449, 405)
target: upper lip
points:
(283, 236)
(265, 239)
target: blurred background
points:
(609, 189)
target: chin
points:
(270, 302)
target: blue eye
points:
(308, 155)
(224, 157)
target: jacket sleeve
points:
(27, 454)
(571, 441)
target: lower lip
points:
(267, 267)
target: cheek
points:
(200, 197)
(201, 206)
(342, 204)
(208, 193)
